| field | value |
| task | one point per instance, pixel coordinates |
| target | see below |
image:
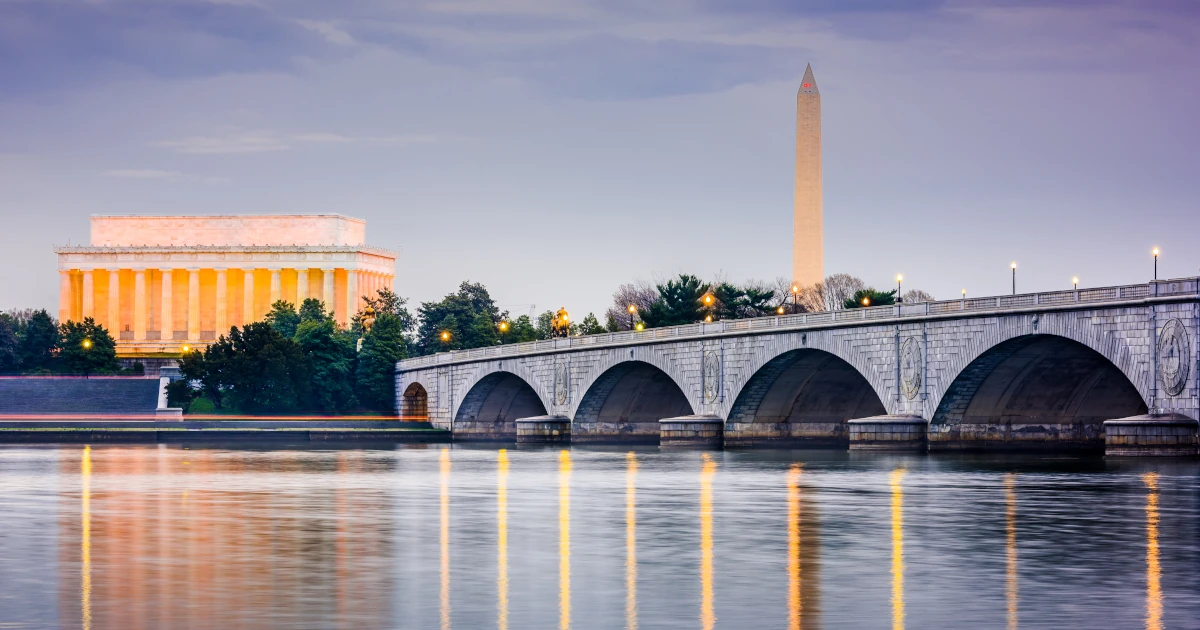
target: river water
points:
(435, 537)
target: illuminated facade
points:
(808, 243)
(158, 283)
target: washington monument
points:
(808, 249)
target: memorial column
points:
(351, 295)
(276, 288)
(193, 317)
(89, 294)
(222, 317)
(247, 296)
(139, 305)
(327, 293)
(64, 296)
(301, 286)
(114, 302)
(166, 325)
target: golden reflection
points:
(709, 470)
(502, 540)
(444, 470)
(564, 540)
(795, 603)
(1012, 588)
(1154, 607)
(897, 549)
(631, 468)
(85, 551)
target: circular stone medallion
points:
(1174, 354)
(911, 364)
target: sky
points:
(554, 150)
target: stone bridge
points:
(996, 372)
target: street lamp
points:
(87, 344)
(186, 348)
(866, 301)
(1014, 269)
(964, 294)
(503, 327)
(445, 336)
(632, 312)
(640, 326)
(779, 311)
(899, 294)
(1155, 252)
(708, 318)
(1075, 281)
(795, 298)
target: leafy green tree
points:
(313, 309)
(545, 325)
(39, 342)
(283, 318)
(86, 348)
(385, 301)
(590, 325)
(330, 354)
(520, 330)
(382, 347)
(872, 298)
(679, 302)
(469, 317)
(256, 369)
(10, 355)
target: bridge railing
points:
(1158, 288)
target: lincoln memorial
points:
(159, 283)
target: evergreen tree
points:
(313, 309)
(39, 342)
(590, 325)
(679, 302)
(469, 316)
(283, 318)
(871, 297)
(10, 355)
(383, 346)
(520, 330)
(86, 348)
(257, 370)
(330, 355)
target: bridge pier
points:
(692, 431)
(889, 433)
(1165, 435)
(544, 430)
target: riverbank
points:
(57, 429)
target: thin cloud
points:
(267, 142)
(174, 177)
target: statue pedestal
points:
(544, 430)
(1166, 435)
(889, 433)
(691, 431)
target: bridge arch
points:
(414, 403)
(1036, 384)
(625, 400)
(805, 395)
(493, 397)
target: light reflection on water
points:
(152, 537)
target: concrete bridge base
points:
(692, 431)
(1166, 435)
(544, 430)
(889, 433)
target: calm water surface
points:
(432, 537)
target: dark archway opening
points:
(490, 410)
(803, 397)
(625, 404)
(414, 404)
(1036, 391)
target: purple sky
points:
(553, 150)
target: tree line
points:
(33, 343)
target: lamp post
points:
(1014, 270)
(964, 293)
(1075, 281)
(779, 311)
(632, 312)
(795, 298)
(1155, 252)
(87, 345)
(708, 302)
(899, 297)
(445, 337)
(866, 301)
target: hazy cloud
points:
(174, 177)
(268, 142)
